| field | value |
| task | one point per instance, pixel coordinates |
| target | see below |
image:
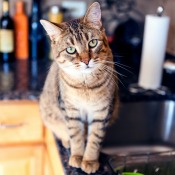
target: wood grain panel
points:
(20, 122)
(54, 156)
(21, 160)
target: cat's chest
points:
(82, 98)
(87, 100)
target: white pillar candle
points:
(153, 51)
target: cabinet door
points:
(47, 165)
(21, 160)
(53, 155)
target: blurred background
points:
(123, 20)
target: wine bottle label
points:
(6, 41)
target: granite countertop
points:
(25, 79)
(105, 167)
(22, 79)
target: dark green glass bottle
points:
(6, 34)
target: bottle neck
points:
(36, 6)
(36, 12)
(19, 7)
(5, 8)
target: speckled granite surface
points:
(105, 167)
(22, 79)
(25, 79)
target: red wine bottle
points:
(6, 34)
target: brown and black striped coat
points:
(80, 89)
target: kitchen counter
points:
(105, 167)
(23, 80)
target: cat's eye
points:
(93, 43)
(71, 50)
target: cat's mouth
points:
(87, 69)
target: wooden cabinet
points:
(26, 146)
(53, 155)
(20, 122)
(21, 160)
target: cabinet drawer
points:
(20, 121)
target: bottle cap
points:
(19, 6)
(55, 15)
(54, 9)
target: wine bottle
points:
(6, 34)
(36, 33)
(21, 32)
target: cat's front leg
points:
(77, 141)
(90, 163)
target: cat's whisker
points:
(117, 78)
(116, 55)
(116, 71)
(114, 81)
(124, 68)
(123, 65)
(98, 66)
(111, 73)
(118, 64)
(113, 70)
(112, 77)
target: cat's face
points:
(80, 46)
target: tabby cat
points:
(79, 98)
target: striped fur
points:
(79, 98)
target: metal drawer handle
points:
(10, 126)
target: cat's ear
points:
(51, 29)
(93, 16)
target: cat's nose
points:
(86, 61)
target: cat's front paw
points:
(75, 161)
(90, 166)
